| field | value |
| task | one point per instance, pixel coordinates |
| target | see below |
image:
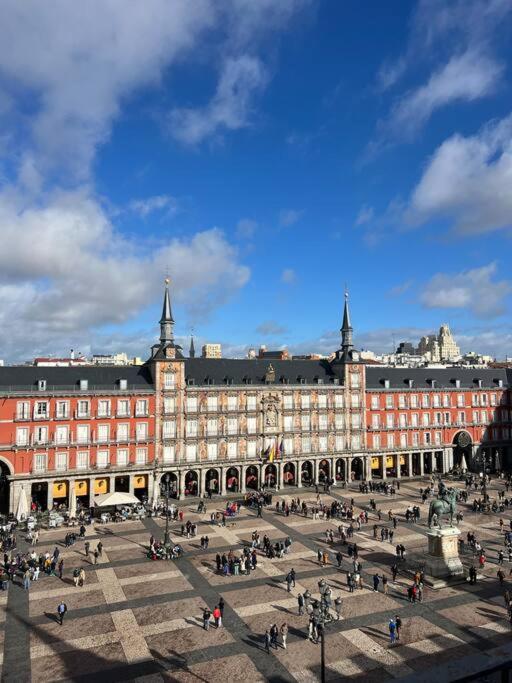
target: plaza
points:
(137, 619)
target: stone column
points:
(243, 470)
(409, 464)
(49, 503)
(298, 480)
(131, 483)
(331, 469)
(384, 468)
(222, 487)
(279, 475)
(181, 484)
(202, 481)
(398, 468)
(422, 464)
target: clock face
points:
(463, 440)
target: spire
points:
(346, 328)
(166, 321)
(192, 352)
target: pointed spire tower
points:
(166, 321)
(192, 352)
(346, 330)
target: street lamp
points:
(322, 614)
(166, 489)
(484, 460)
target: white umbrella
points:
(115, 498)
(463, 463)
(22, 510)
(72, 503)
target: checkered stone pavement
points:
(140, 620)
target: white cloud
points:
(146, 206)
(365, 215)
(390, 73)
(270, 328)
(246, 228)
(288, 276)
(465, 77)
(288, 217)
(473, 290)
(400, 289)
(230, 107)
(468, 181)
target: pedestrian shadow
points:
(52, 617)
(255, 642)
(175, 661)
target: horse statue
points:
(443, 506)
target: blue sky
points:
(266, 153)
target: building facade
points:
(231, 425)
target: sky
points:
(265, 154)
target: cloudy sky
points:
(265, 153)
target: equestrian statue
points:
(445, 504)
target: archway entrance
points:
(306, 473)
(232, 480)
(122, 484)
(39, 495)
(251, 477)
(4, 488)
(462, 449)
(270, 475)
(340, 470)
(357, 469)
(191, 483)
(439, 461)
(212, 481)
(289, 474)
(323, 471)
(173, 484)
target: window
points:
(103, 433)
(305, 422)
(123, 408)
(461, 400)
(355, 421)
(484, 416)
(122, 457)
(212, 451)
(425, 401)
(306, 444)
(232, 403)
(141, 455)
(123, 432)
(41, 410)
(375, 421)
(82, 460)
(414, 420)
(103, 408)
(462, 417)
(415, 439)
(192, 428)
(41, 435)
(232, 424)
(338, 401)
(438, 418)
(401, 401)
(123, 384)
(340, 442)
(391, 440)
(356, 441)
(426, 438)
(402, 420)
(61, 434)
(23, 410)
(191, 452)
(141, 407)
(475, 416)
(62, 410)
(212, 402)
(84, 384)
(83, 409)
(355, 380)
(339, 422)
(168, 429)
(39, 462)
(437, 438)
(304, 401)
(41, 384)
(403, 440)
(168, 405)
(322, 445)
(390, 421)
(375, 402)
(288, 423)
(169, 454)
(251, 449)
(232, 449)
(22, 436)
(61, 462)
(322, 400)
(251, 403)
(322, 422)
(447, 418)
(169, 381)
(474, 399)
(493, 399)
(389, 401)
(288, 401)
(251, 425)
(192, 404)
(211, 426)
(436, 401)
(141, 431)
(376, 440)
(82, 433)
(102, 459)
(484, 400)
(355, 401)
(426, 419)
(446, 401)
(414, 401)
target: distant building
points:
(309, 356)
(49, 362)
(115, 359)
(212, 351)
(273, 355)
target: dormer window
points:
(385, 382)
(228, 380)
(209, 381)
(284, 380)
(84, 384)
(319, 380)
(478, 382)
(499, 382)
(190, 381)
(41, 384)
(335, 380)
(432, 382)
(457, 383)
(410, 383)
(301, 380)
(123, 384)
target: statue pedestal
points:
(442, 561)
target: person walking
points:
(501, 576)
(385, 584)
(392, 631)
(61, 611)
(293, 575)
(26, 579)
(221, 607)
(217, 617)
(300, 601)
(96, 555)
(274, 633)
(267, 638)
(289, 582)
(81, 577)
(206, 618)
(339, 558)
(61, 569)
(100, 548)
(284, 634)
(87, 547)
(376, 581)
(398, 626)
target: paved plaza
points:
(136, 619)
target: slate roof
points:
(253, 371)
(445, 377)
(100, 377)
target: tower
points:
(192, 351)
(346, 331)
(166, 348)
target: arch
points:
(39, 495)
(191, 483)
(252, 477)
(324, 471)
(270, 474)
(232, 479)
(173, 484)
(306, 472)
(289, 474)
(339, 470)
(462, 449)
(212, 480)
(356, 469)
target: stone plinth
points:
(442, 560)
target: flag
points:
(265, 452)
(281, 448)
(272, 453)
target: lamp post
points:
(484, 461)
(321, 612)
(165, 488)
